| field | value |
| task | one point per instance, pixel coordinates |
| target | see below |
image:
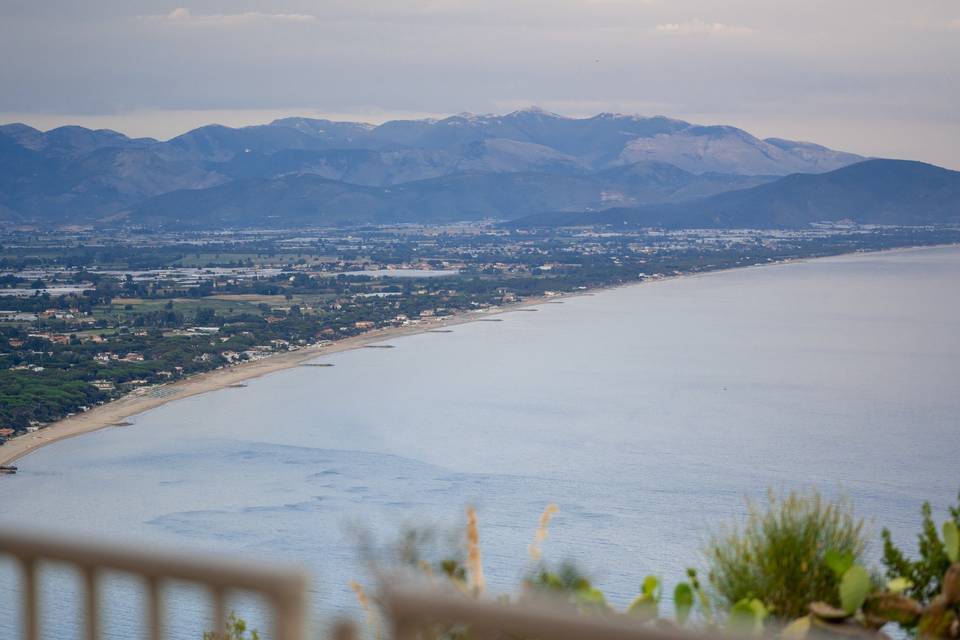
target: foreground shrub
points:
(780, 555)
(925, 573)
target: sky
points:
(877, 77)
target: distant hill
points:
(894, 192)
(72, 174)
(732, 150)
(307, 199)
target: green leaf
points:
(741, 616)
(747, 616)
(759, 610)
(643, 607)
(651, 587)
(683, 602)
(951, 540)
(854, 588)
(899, 585)
(592, 595)
(797, 629)
(838, 562)
(646, 604)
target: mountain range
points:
(302, 171)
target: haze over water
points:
(648, 413)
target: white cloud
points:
(927, 23)
(698, 27)
(183, 16)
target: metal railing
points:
(284, 590)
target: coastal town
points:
(87, 318)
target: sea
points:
(650, 414)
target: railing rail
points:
(284, 589)
(412, 610)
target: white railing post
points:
(91, 602)
(285, 589)
(344, 630)
(154, 609)
(219, 613)
(289, 615)
(31, 606)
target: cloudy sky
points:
(880, 77)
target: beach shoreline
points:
(116, 412)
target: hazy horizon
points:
(166, 125)
(874, 78)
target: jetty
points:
(317, 364)
(9, 470)
(378, 346)
(490, 320)
(440, 331)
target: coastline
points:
(114, 413)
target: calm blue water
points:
(648, 413)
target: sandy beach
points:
(116, 412)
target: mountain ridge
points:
(311, 199)
(882, 192)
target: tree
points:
(206, 316)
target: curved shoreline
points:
(139, 401)
(114, 413)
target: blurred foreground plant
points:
(936, 614)
(236, 630)
(563, 585)
(798, 559)
(926, 572)
(779, 555)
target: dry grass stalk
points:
(364, 601)
(427, 570)
(534, 549)
(474, 561)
